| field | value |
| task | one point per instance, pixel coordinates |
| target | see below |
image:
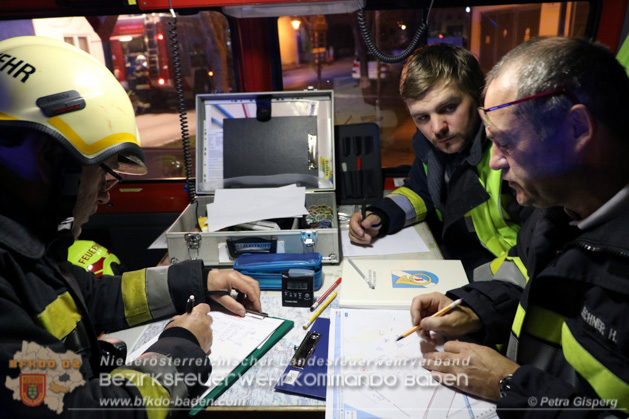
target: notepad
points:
(237, 343)
(397, 281)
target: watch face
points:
(505, 385)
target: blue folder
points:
(316, 369)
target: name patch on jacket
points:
(597, 324)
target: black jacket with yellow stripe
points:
(568, 328)
(472, 213)
(47, 302)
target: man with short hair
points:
(555, 109)
(450, 184)
(67, 130)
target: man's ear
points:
(582, 125)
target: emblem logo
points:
(413, 279)
(32, 389)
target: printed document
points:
(235, 338)
(370, 374)
(237, 206)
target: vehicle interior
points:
(164, 52)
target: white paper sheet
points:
(236, 206)
(373, 375)
(406, 240)
(234, 339)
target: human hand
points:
(471, 368)
(247, 287)
(363, 231)
(198, 322)
(458, 322)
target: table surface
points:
(254, 392)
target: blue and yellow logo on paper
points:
(413, 279)
(32, 389)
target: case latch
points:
(309, 240)
(193, 240)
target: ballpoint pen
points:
(364, 209)
(190, 304)
(441, 312)
(362, 275)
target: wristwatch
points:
(505, 385)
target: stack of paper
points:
(236, 206)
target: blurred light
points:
(161, 81)
(295, 23)
(329, 7)
(210, 73)
(403, 27)
(125, 38)
(440, 36)
(468, 9)
(160, 37)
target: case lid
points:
(265, 139)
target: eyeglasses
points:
(484, 111)
(110, 183)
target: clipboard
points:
(243, 367)
(292, 380)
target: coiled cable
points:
(391, 59)
(181, 107)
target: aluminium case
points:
(235, 149)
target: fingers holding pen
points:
(363, 231)
(198, 322)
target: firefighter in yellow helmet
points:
(67, 132)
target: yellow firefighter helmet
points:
(56, 88)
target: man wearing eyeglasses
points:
(67, 131)
(555, 110)
(469, 209)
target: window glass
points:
(140, 55)
(144, 63)
(83, 44)
(319, 51)
(323, 52)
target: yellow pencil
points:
(320, 310)
(441, 312)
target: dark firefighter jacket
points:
(568, 327)
(47, 302)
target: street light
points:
(296, 22)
